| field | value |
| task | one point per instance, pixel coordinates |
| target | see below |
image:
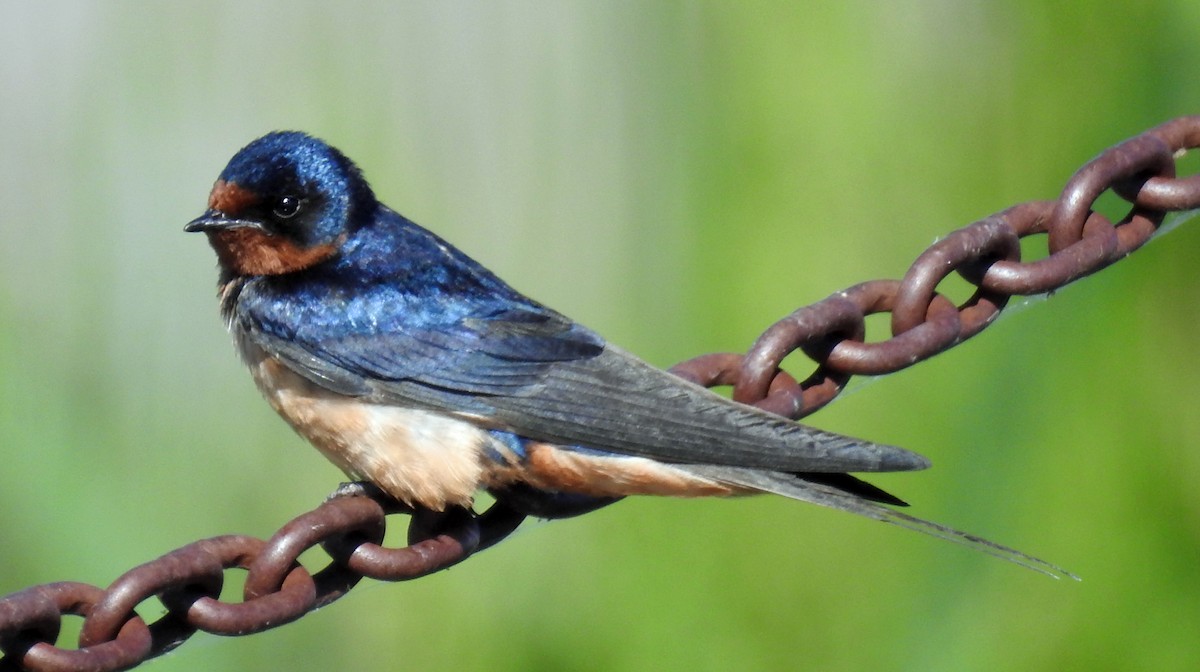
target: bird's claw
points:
(358, 489)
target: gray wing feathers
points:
(619, 402)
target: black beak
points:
(215, 220)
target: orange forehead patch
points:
(229, 198)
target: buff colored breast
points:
(416, 456)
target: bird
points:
(416, 370)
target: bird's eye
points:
(287, 207)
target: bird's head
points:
(285, 202)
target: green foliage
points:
(677, 176)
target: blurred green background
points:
(677, 176)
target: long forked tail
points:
(795, 487)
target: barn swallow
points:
(413, 368)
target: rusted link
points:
(184, 568)
(357, 518)
(436, 541)
(130, 645)
(813, 329)
(31, 615)
(937, 332)
(978, 244)
(294, 598)
(1146, 155)
(1165, 193)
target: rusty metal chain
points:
(278, 589)
(986, 254)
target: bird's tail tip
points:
(895, 458)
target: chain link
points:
(278, 589)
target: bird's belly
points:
(417, 456)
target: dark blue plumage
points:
(399, 304)
(411, 366)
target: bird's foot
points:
(358, 489)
